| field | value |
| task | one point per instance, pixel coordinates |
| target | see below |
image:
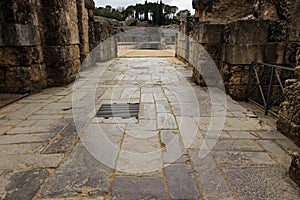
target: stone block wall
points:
(251, 40)
(208, 54)
(289, 118)
(22, 66)
(42, 43)
(289, 115)
(60, 41)
(83, 28)
(183, 40)
(234, 44)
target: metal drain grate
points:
(119, 110)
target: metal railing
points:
(265, 83)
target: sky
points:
(181, 4)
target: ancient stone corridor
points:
(185, 144)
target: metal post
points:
(270, 89)
(260, 88)
(250, 78)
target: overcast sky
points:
(181, 4)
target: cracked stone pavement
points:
(53, 147)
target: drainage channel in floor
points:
(123, 111)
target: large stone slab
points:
(212, 182)
(240, 158)
(172, 147)
(13, 149)
(24, 184)
(30, 161)
(64, 141)
(79, 174)
(36, 129)
(282, 156)
(26, 138)
(138, 188)
(269, 182)
(182, 182)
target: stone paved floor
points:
(44, 154)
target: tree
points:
(160, 13)
(108, 12)
(146, 11)
(174, 9)
(108, 7)
(184, 12)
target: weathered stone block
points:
(294, 170)
(138, 188)
(20, 56)
(289, 129)
(252, 32)
(22, 79)
(83, 26)
(25, 184)
(266, 10)
(294, 19)
(222, 11)
(274, 53)
(278, 31)
(298, 71)
(18, 35)
(90, 6)
(62, 64)
(56, 55)
(39, 42)
(237, 92)
(205, 73)
(16, 12)
(18, 24)
(60, 28)
(214, 50)
(182, 182)
(289, 115)
(208, 33)
(63, 73)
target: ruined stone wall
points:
(289, 116)
(42, 43)
(233, 46)
(22, 66)
(207, 46)
(105, 31)
(83, 28)
(182, 46)
(60, 41)
(222, 11)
